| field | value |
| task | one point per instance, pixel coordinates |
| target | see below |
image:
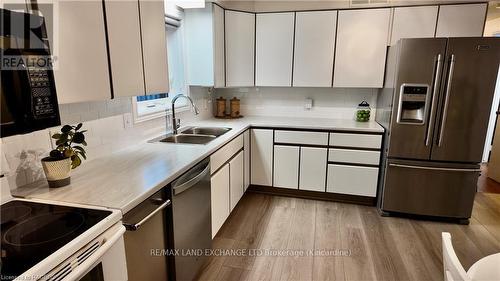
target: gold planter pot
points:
(57, 171)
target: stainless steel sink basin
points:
(193, 139)
(211, 131)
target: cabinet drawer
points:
(225, 153)
(354, 156)
(355, 140)
(353, 180)
(298, 137)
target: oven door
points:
(103, 259)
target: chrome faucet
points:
(176, 123)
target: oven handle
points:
(434, 168)
(84, 267)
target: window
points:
(154, 106)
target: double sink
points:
(195, 135)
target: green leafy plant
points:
(70, 142)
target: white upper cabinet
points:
(413, 22)
(82, 72)
(218, 52)
(361, 48)
(461, 20)
(274, 49)
(204, 33)
(314, 48)
(240, 44)
(124, 39)
(154, 46)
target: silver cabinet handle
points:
(136, 226)
(185, 186)
(434, 168)
(435, 90)
(446, 99)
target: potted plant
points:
(67, 155)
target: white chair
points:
(487, 268)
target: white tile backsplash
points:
(338, 103)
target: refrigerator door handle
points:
(434, 168)
(446, 99)
(439, 68)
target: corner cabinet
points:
(81, 72)
(461, 20)
(261, 155)
(361, 48)
(154, 46)
(274, 49)
(240, 48)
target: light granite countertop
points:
(126, 178)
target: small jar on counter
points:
(363, 112)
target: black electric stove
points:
(31, 231)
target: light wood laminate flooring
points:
(357, 243)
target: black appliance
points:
(28, 93)
(31, 231)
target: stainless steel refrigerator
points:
(435, 107)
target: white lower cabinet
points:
(236, 187)
(220, 198)
(261, 164)
(353, 180)
(286, 166)
(313, 168)
(246, 159)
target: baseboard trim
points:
(306, 194)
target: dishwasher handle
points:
(194, 179)
(136, 226)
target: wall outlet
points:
(127, 120)
(308, 104)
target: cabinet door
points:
(239, 38)
(314, 48)
(313, 162)
(274, 49)
(461, 20)
(286, 166)
(261, 150)
(414, 22)
(81, 70)
(246, 156)
(199, 42)
(218, 34)
(236, 179)
(124, 39)
(353, 180)
(361, 48)
(220, 198)
(154, 46)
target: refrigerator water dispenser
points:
(413, 101)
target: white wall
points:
(493, 118)
(327, 102)
(20, 155)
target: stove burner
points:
(15, 214)
(43, 228)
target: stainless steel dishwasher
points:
(192, 225)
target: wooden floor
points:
(380, 248)
(486, 184)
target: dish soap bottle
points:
(363, 112)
